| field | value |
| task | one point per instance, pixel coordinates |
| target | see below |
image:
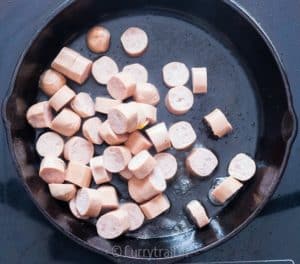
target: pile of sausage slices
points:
(130, 130)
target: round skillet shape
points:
(245, 79)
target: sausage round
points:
(98, 39)
(137, 142)
(116, 158)
(103, 69)
(197, 213)
(74, 211)
(109, 197)
(90, 130)
(50, 144)
(167, 163)
(78, 174)
(62, 97)
(149, 111)
(136, 217)
(39, 115)
(52, 170)
(100, 174)
(182, 135)
(121, 86)
(109, 136)
(88, 202)
(159, 136)
(201, 162)
(83, 105)
(78, 149)
(126, 174)
(137, 71)
(134, 41)
(179, 100)
(175, 74)
(62, 191)
(51, 81)
(199, 79)
(242, 167)
(146, 93)
(155, 206)
(104, 104)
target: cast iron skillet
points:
(246, 80)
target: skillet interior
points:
(245, 80)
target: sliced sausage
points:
(137, 71)
(137, 142)
(121, 86)
(136, 217)
(100, 174)
(52, 170)
(242, 167)
(146, 93)
(179, 100)
(109, 197)
(126, 174)
(116, 158)
(109, 136)
(141, 190)
(78, 149)
(51, 81)
(218, 123)
(150, 112)
(62, 97)
(159, 136)
(88, 202)
(73, 65)
(39, 115)
(142, 164)
(175, 74)
(62, 191)
(103, 69)
(167, 163)
(113, 224)
(197, 213)
(134, 41)
(225, 190)
(199, 79)
(155, 206)
(66, 123)
(98, 39)
(83, 105)
(74, 211)
(182, 135)
(104, 104)
(50, 144)
(201, 162)
(78, 174)
(90, 130)
(141, 114)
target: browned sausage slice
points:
(175, 74)
(83, 105)
(62, 191)
(103, 69)
(50, 144)
(199, 78)
(242, 167)
(182, 135)
(100, 174)
(134, 41)
(78, 174)
(52, 170)
(121, 86)
(104, 104)
(39, 115)
(156, 206)
(146, 93)
(109, 197)
(51, 81)
(109, 136)
(90, 130)
(116, 158)
(98, 39)
(74, 211)
(197, 213)
(62, 97)
(167, 163)
(159, 136)
(88, 202)
(136, 217)
(137, 71)
(137, 142)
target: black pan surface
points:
(246, 81)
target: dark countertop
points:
(27, 237)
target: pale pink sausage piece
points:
(39, 115)
(179, 100)
(142, 164)
(201, 162)
(104, 104)
(126, 174)
(74, 211)
(199, 79)
(137, 142)
(175, 74)
(88, 202)
(142, 120)
(62, 97)
(90, 130)
(66, 122)
(78, 149)
(134, 41)
(83, 105)
(159, 136)
(52, 170)
(100, 174)
(109, 136)
(113, 224)
(103, 69)
(136, 216)
(109, 197)
(49, 144)
(73, 65)
(226, 189)
(146, 93)
(167, 163)
(242, 167)
(218, 123)
(156, 206)
(51, 81)
(182, 135)
(141, 190)
(121, 86)
(98, 39)
(137, 71)
(150, 112)
(62, 191)
(197, 213)
(78, 174)
(116, 158)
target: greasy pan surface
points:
(246, 80)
